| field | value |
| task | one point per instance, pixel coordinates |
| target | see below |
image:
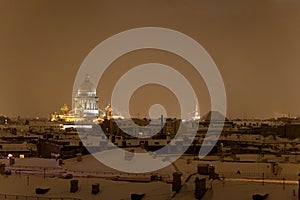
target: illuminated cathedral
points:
(86, 106)
(86, 100)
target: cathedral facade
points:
(86, 100)
(85, 104)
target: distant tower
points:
(86, 100)
(196, 113)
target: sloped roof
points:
(213, 116)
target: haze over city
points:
(254, 44)
(145, 99)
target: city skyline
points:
(254, 45)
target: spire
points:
(196, 113)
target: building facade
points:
(86, 100)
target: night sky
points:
(255, 44)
